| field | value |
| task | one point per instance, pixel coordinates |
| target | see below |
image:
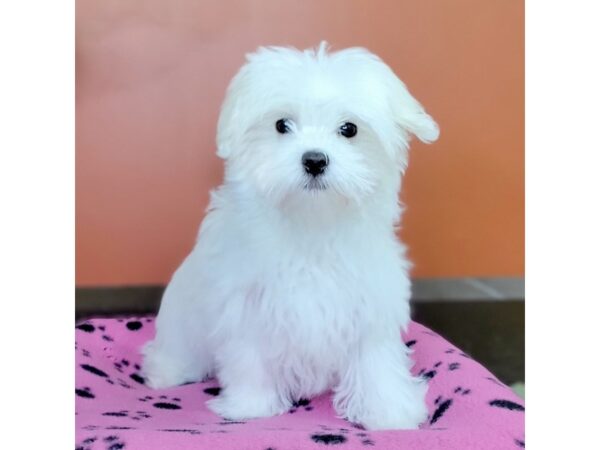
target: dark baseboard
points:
(490, 328)
(112, 301)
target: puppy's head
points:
(318, 124)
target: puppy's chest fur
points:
(307, 302)
(312, 315)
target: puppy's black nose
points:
(314, 162)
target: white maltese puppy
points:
(297, 283)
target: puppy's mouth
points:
(315, 184)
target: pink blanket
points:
(469, 408)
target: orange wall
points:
(151, 76)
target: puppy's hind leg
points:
(171, 362)
(179, 353)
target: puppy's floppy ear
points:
(410, 115)
(227, 132)
(246, 97)
(233, 122)
(407, 114)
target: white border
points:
(37, 224)
(562, 223)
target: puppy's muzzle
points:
(314, 162)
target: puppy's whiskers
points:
(315, 184)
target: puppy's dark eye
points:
(282, 126)
(348, 130)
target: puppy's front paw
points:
(402, 407)
(395, 418)
(246, 405)
(404, 411)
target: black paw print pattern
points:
(442, 406)
(461, 391)
(86, 444)
(94, 370)
(427, 374)
(180, 430)
(134, 325)
(410, 343)
(507, 404)
(302, 403)
(162, 402)
(113, 442)
(84, 392)
(454, 366)
(328, 438)
(134, 415)
(135, 376)
(118, 381)
(231, 422)
(121, 365)
(86, 327)
(213, 391)
(331, 436)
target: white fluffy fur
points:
(290, 292)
